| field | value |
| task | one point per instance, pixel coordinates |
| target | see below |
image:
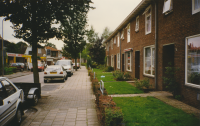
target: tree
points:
(51, 45)
(106, 33)
(65, 53)
(73, 32)
(97, 52)
(32, 20)
(92, 36)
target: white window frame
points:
(128, 33)
(146, 16)
(118, 40)
(137, 24)
(111, 44)
(168, 6)
(186, 62)
(108, 46)
(114, 40)
(39, 51)
(151, 74)
(112, 60)
(122, 34)
(193, 9)
(127, 61)
(118, 60)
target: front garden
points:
(132, 111)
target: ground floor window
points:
(107, 60)
(112, 61)
(192, 59)
(118, 61)
(149, 58)
(128, 61)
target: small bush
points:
(120, 76)
(109, 69)
(83, 64)
(113, 117)
(141, 84)
(101, 67)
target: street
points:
(70, 103)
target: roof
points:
(52, 49)
(140, 7)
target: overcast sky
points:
(108, 13)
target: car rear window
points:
(63, 62)
(53, 68)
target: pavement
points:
(18, 74)
(73, 104)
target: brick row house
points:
(155, 33)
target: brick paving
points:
(72, 105)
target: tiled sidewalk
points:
(72, 105)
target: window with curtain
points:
(118, 61)
(195, 6)
(149, 58)
(148, 21)
(128, 61)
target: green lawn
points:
(121, 88)
(108, 75)
(149, 111)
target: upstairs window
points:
(114, 40)
(107, 46)
(122, 34)
(148, 20)
(195, 6)
(39, 51)
(118, 40)
(128, 33)
(168, 6)
(112, 44)
(137, 24)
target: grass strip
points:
(121, 88)
(149, 111)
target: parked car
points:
(12, 98)
(78, 66)
(67, 65)
(40, 67)
(55, 72)
(19, 66)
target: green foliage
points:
(101, 67)
(9, 70)
(149, 111)
(83, 64)
(89, 61)
(141, 84)
(113, 117)
(94, 65)
(109, 69)
(51, 45)
(121, 76)
(194, 78)
(171, 79)
(106, 33)
(97, 51)
(92, 36)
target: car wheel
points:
(31, 70)
(21, 70)
(66, 78)
(18, 117)
(35, 99)
(45, 81)
(70, 75)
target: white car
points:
(68, 66)
(55, 72)
(11, 102)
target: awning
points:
(129, 49)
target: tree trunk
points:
(34, 45)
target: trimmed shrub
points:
(121, 76)
(109, 69)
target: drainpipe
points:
(120, 51)
(156, 43)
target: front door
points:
(123, 63)
(168, 59)
(137, 64)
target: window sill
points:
(192, 85)
(168, 12)
(137, 30)
(148, 75)
(129, 70)
(146, 33)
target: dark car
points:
(19, 66)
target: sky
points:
(108, 13)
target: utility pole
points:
(2, 52)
